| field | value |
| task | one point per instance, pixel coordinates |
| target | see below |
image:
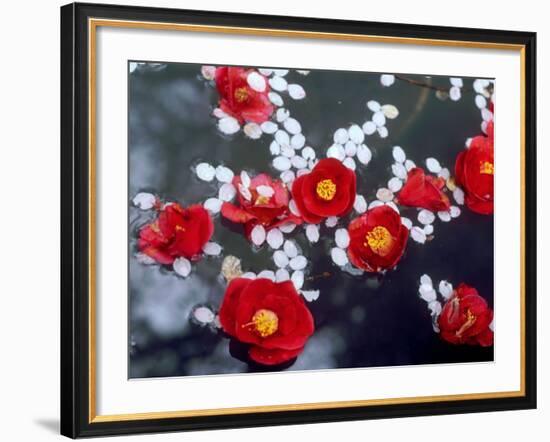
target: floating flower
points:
(263, 203)
(243, 94)
(270, 316)
(377, 239)
(465, 318)
(474, 170)
(176, 233)
(424, 191)
(328, 190)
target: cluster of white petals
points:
(380, 114)
(429, 294)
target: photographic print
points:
(288, 219)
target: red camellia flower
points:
(474, 170)
(271, 317)
(240, 100)
(377, 239)
(465, 318)
(264, 201)
(328, 190)
(177, 232)
(424, 191)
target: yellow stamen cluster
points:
(241, 94)
(470, 320)
(265, 322)
(379, 240)
(326, 189)
(486, 168)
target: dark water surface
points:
(360, 321)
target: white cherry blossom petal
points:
(455, 81)
(426, 217)
(312, 233)
(399, 154)
(310, 295)
(282, 114)
(274, 148)
(278, 83)
(341, 237)
(298, 162)
(296, 91)
(290, 248)
(280, 259)
(258, 235)
(379, 119)
(454, 93)
(212, 248)
(213, 205)
(375, 203)
(399, 170)
(282, 138)
(374, 106)
(281, 163)
(249, 275)
(280, 72)
(356, 134)
(383, 132)
(266, 191)
(425, 279)
(144, 259)
(427, 292)
(387, 80)
(294, 208)
(406, 222)
(446, 289)
(433, 165)
(349, 163)
(369, 128)
(266, 72)
(252, 130)
(350, 148)
(339, 256)
(385, 195)
(308, 153)
(229, 125)
(227, 192)
(282, 275)
(298, 141)
(218, 113)
(275, 238)
(288, 151)
(203, 315)
(292, 126)
(395, 184)
(331, 221)
(287, 227)
(298, 263)
(341, 136)
(288, 176)
(224, 174)
(269, 127)
(205, 171)
(444, 173)
(275, 98)
(454, 211)
(144, 200)
(444, 216)
(428, 229)
(458, 195)
(256, 81)
(360, 204)
(364, 154)
(245, 192)
(268, 274)
(182, 266)
(409, 164)
(336, 151)
(390, 111)
(418, 235)
(297, 279)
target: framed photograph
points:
(279, 220)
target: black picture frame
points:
(75, 221)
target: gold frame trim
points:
(93, 24)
